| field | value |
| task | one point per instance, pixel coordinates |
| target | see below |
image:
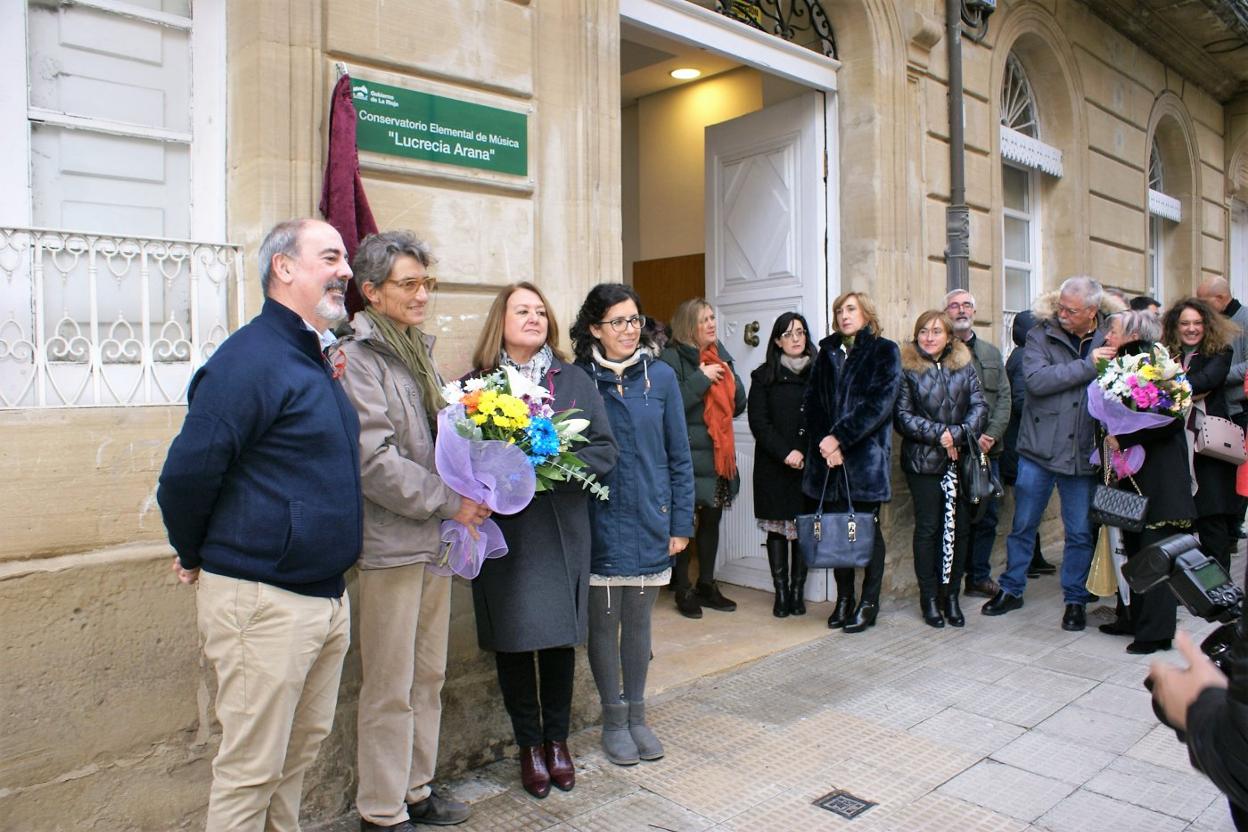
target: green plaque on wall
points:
(422, 126)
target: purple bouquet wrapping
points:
(488, 471)
(1119, 419)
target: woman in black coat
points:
(940, 414)
(1163, 478)
(1201, 339)
(848, 406)
(775, 412)
(532, 604)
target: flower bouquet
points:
(499, 442)
(1135, 392)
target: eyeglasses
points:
(795, 335)
(955, 306)
(1066, 311)
(415, 284)
(621, 324)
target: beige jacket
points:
(404, 498)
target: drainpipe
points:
(957, 215)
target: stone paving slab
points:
(1008, 725)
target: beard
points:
(962, 324)
(329, 308)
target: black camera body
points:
(1200, 583)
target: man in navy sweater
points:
(261, 497)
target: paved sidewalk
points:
(1008, 724)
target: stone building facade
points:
(106, 703)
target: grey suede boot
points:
(648, 745)
(617, 739)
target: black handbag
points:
(1116, 507)
(836, 541)
(975, 478)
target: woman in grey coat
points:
(532, 604)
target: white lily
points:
(451, 392)
(570, 426)
(522, 387)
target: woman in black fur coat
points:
(849, 409)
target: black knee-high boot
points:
(797, 592)
(778, 560)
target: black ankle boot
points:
(863, 617)
(778, 560)
(951, 608)
(797, 589)
(931, 611)
(842, 612)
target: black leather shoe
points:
(436, 810)
(1075, 618)
(401, 826)
(863, 617)
(952, 610)
(1039, 566)
(778, 562)
(1143, 648)
(688, 604)
(1116, 628)
(1002, 603)
(931, 612)
(842, 612)
(710, 596)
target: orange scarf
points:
(717, 413)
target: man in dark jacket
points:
(995, 386)
(1055, 443)
(261, 497)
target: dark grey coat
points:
(537, 595)
(1056, 431)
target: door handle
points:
(751, 334)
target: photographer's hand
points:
(1175, 689)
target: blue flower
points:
(543, 438)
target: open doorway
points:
(728, 193)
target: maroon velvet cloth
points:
(343, 202)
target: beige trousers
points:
(405, 614)
(278, 658)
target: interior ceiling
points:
(646, 58)
(1205, 40)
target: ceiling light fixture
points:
(685, 73)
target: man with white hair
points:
(1056, 439)
(995, 385)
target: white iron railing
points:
(89, 320)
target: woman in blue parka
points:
(647, 520)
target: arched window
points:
(1162, 209)
(1024, 156)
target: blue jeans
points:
(984, 535)
(1031, 497)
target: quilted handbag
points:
(836, 540)
(1220, 438)
(1115, 506)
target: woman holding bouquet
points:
(1162, 477)
(1201, 339)
(532, 605)
(647, 521)
(940, 414)
(386, 368)
(713, 394)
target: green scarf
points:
(409, 345)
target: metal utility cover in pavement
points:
(844, 804)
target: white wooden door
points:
(767, 224)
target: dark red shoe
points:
(559, 764)
(533, 774)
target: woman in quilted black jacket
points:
(939, 405)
